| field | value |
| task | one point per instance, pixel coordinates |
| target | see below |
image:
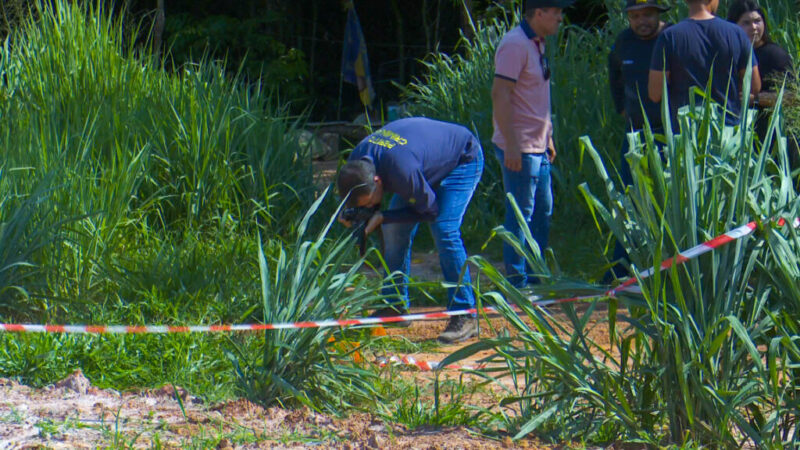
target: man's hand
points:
(512, 159)
(341, 220)
(374, 222)
(551, 151)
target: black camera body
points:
(359, 216)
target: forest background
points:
(295, 47)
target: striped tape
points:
(627, 286)
(425, 366)
(697, 250)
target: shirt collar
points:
(526, 28)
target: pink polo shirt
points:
(518, 59)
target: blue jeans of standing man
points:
(452, 196)
(533, 193)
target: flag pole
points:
(347, 5)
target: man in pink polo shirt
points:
(523, 131)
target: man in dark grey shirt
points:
(629, 67)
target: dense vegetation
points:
(132, 194)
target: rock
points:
(75, 382)
(224, 444)
(320, 147)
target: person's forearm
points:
(503, 113)
(755, 81)
(654, 85)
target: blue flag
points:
(355, 65)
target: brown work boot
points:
(459, 328)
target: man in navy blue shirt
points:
(628, 72)
(629, 67)
(699, 47)
(432, 169)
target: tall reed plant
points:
(307, 281)
(85, 97)
(706, 354)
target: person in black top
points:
(628, 69)
(774, 62)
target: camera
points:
(359, 217)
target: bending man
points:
(432, 169)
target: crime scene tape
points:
(697, 250)
(424, 366)
(628, 285)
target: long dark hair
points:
(740, 7)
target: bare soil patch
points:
(74, 414)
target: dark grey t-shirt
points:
(694, 51)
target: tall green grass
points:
(142, 155)
(707, 353)
(130, 194)
(185, 146)
(312, 280)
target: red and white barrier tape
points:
(125, 329)
(424, 366)
(697, 250)
(628, 285)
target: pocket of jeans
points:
(536, 164)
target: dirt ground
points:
(74, 414)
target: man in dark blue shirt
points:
(432, 169)
(628, 71)
(699, 47)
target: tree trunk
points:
(426, 25)
(312, 52)
(158, 28)
(466, 18)
(401, 53)
(436, 29)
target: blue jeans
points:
(533, 193)
(452, 196)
